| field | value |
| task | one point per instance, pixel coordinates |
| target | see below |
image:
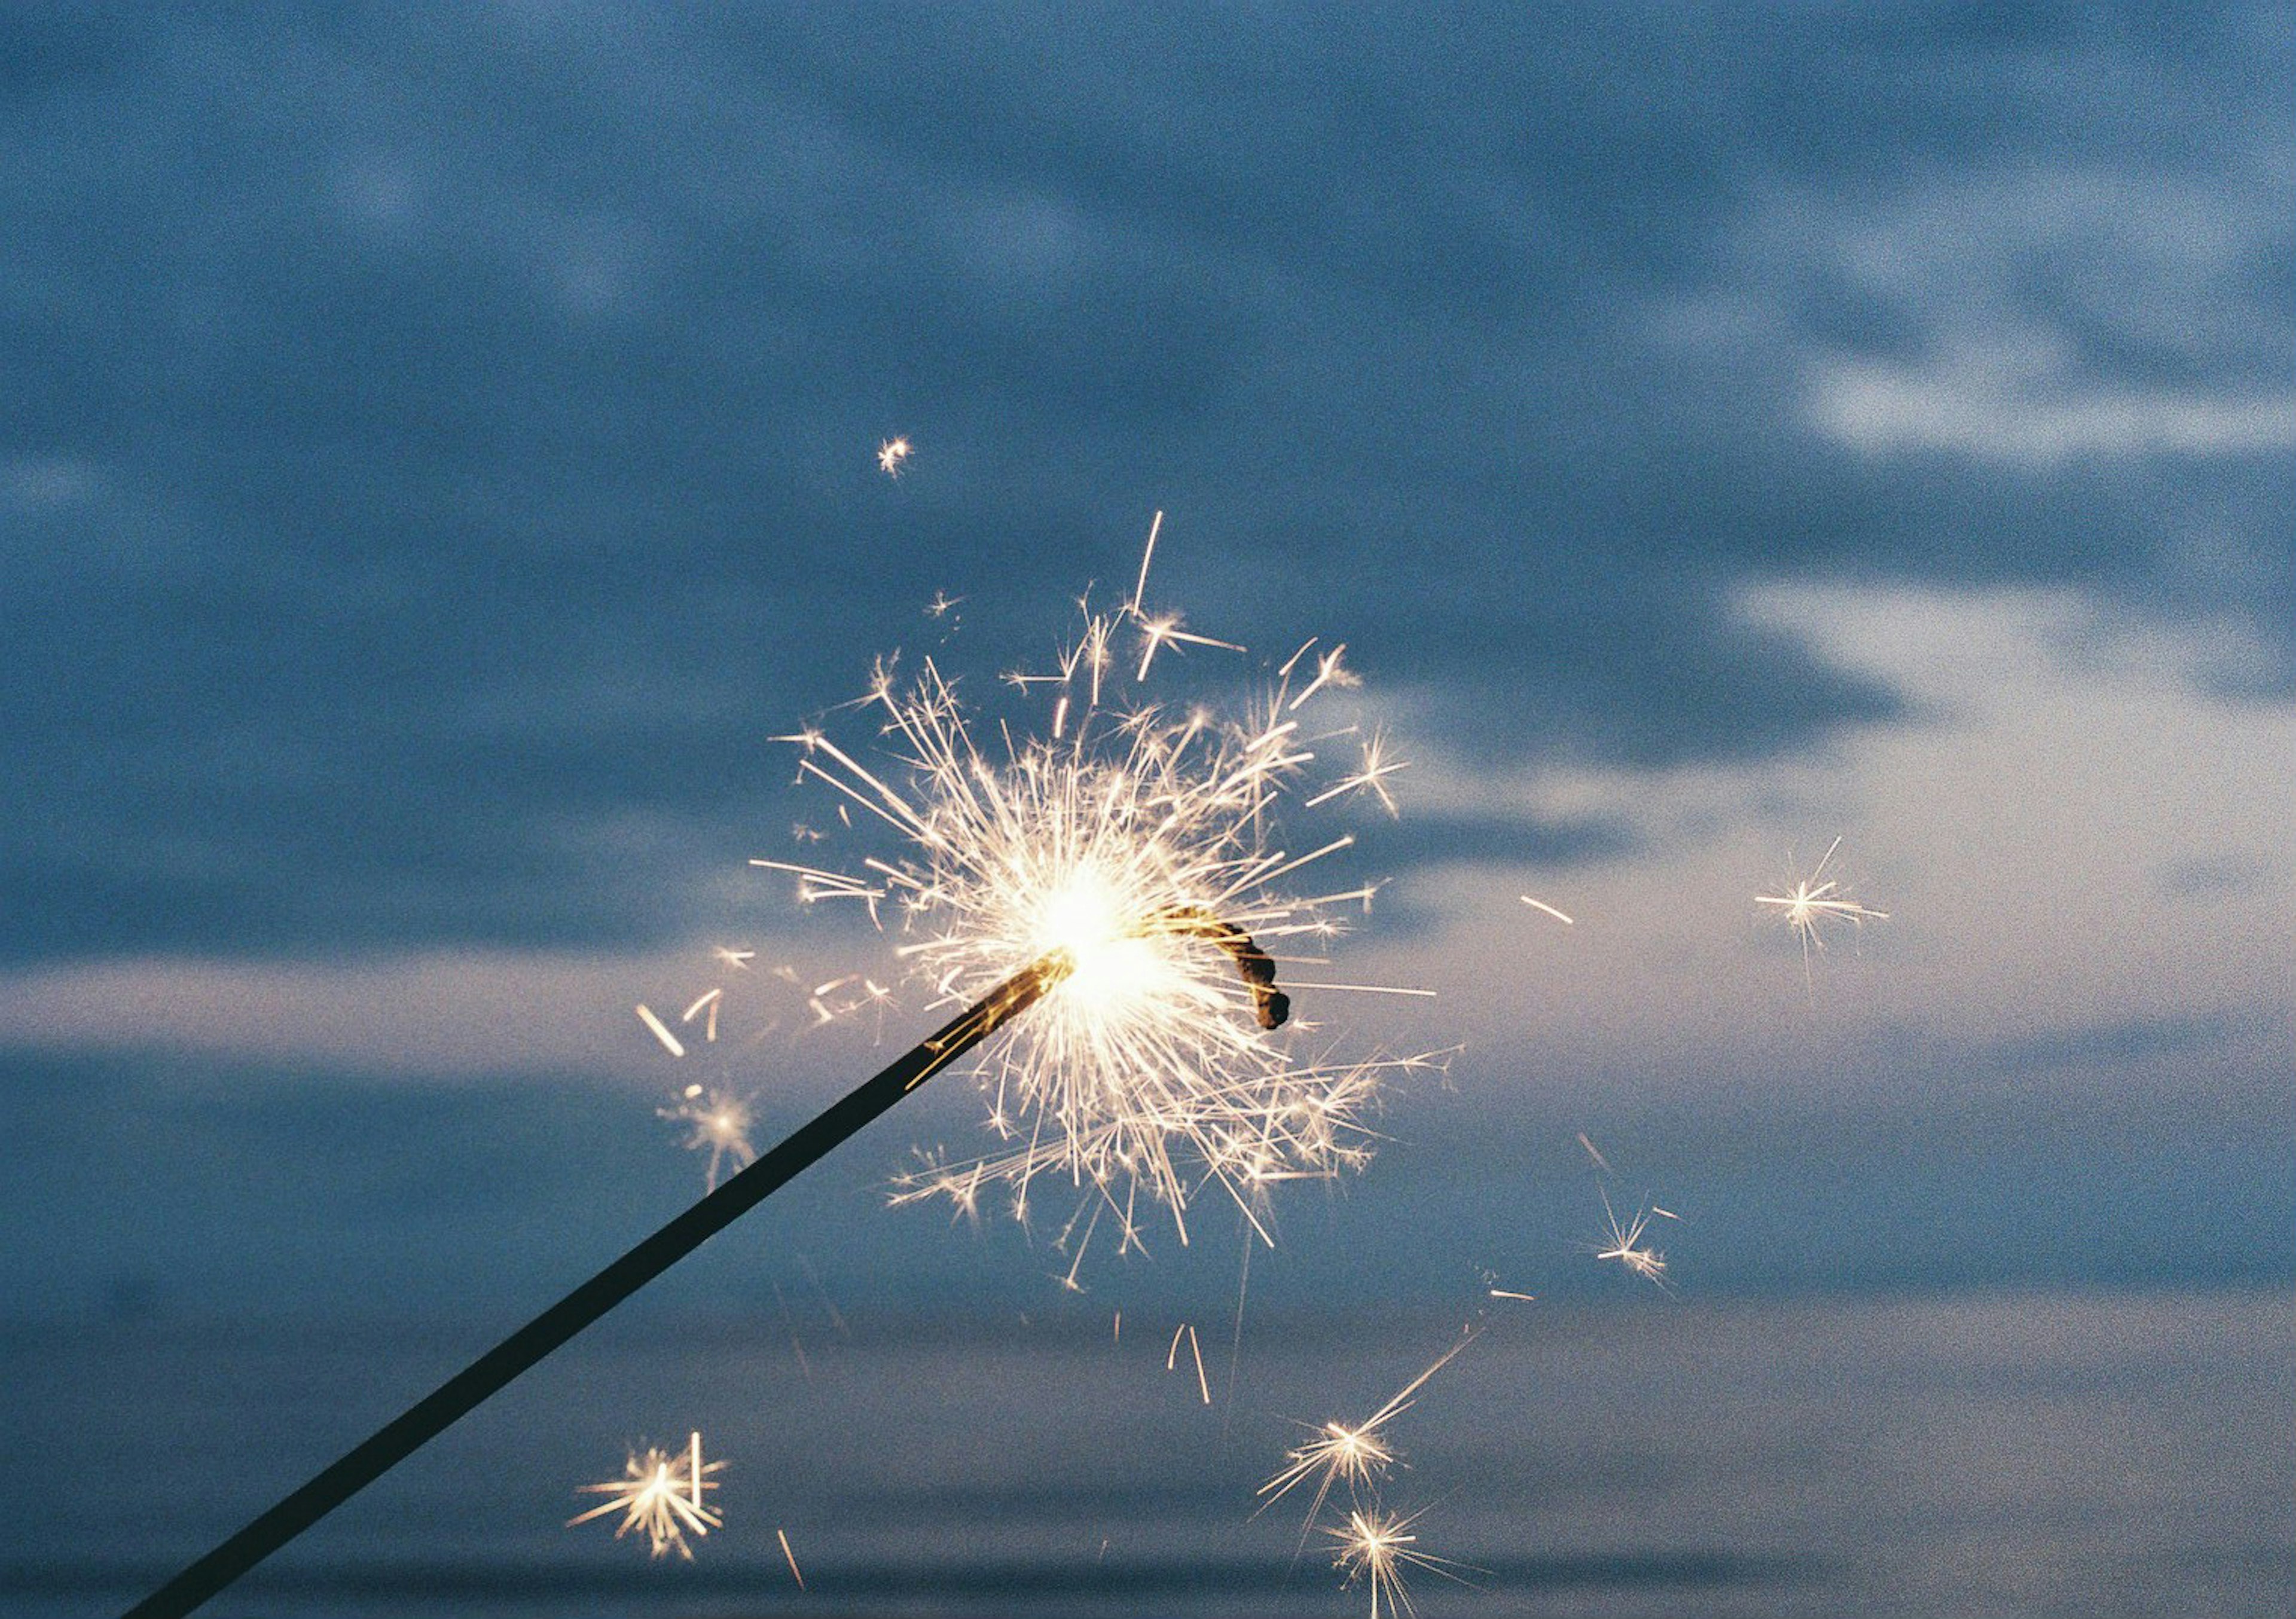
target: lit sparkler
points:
(1116, 877)
(1816, 902)
(1135, 846)
(655, 1495)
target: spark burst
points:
(890, 455)
(654, 1495)
(1815, 903)
(1375, 1547)
(720, 1124)
(1627, 1245)
(1357, 1456)
(1134, 845)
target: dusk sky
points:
(438, 454)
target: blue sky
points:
(437, 452)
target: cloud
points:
(419, 501)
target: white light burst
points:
(1375, 1547)
(663, 1494)
(1354, 1455)
(719, 1124)
(1133, 850)
(1812, 903)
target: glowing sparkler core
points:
(1134, 845)
(654, 1496)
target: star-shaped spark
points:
(1375, 1547)
(1355, 1455)
(663, 1494)
(720, 1124)
(1815, 903)
(1371, 778)
(1627, 1245)
(890, 455)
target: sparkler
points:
(1118, 873)
(1813, 903)
(653, 1497)
(431, 1416)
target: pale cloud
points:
(1995, 406)
(425, 1015)
(2059, 759)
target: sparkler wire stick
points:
(451, 1400)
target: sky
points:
(437, 455)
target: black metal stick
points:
(434, 1413)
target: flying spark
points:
(669, 1042)
(1815, 903)
(890, 455)
(1375, 1547)
(654, 1494)
(795, 1573)
(1355, 1456)
(1134, 848)
(1541, 905)
(1627, 1245)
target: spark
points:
(1355, 1455)
(669, 1042)
(654, 1496)
(1595, 1153)
(1541, 905)
(1135, 846)
(720, 1123)
(738, 960)
(1371, 778)
(1376, 1546)
(890, 455)
(1328, 672)
(1814, 903)
(942, 604)
(1627, 1243)
(795, 1573)
(708, 1002)
(1527, 1298)
(1195, 1348)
